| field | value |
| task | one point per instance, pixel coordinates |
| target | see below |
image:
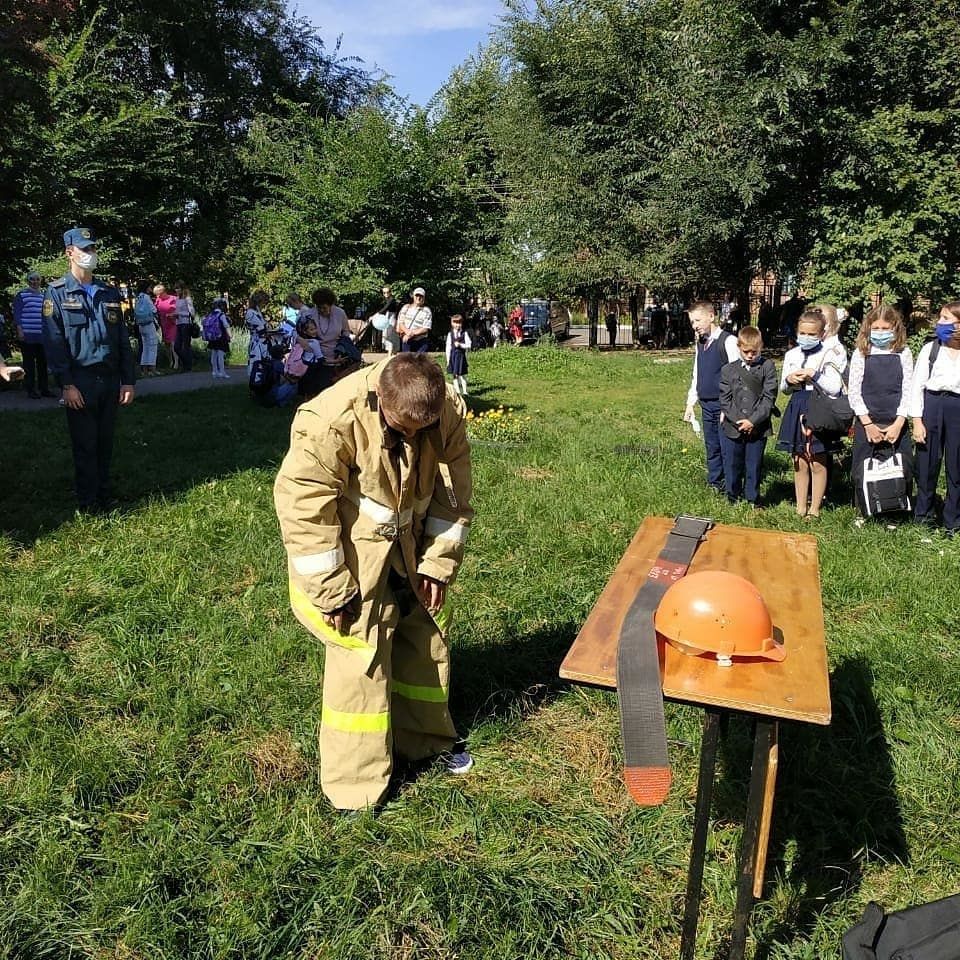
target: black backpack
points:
(928, 932)
(262, 378)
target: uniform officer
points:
(88, 352)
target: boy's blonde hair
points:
(831, 320)
(751, 338)
(882, 311)
(702, 307)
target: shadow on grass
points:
(488, 397)
(836, 805)
(164, 445)
(509, 679)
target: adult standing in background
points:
(389, 339)
(331, 321)
(145, 316)
(256, 325)
(166, 304)
(292, 311)
(186, 317)
(414, 323)
(28, 317)
(88, 350)
(390, 309)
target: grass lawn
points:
(159, 707)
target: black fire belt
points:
(646, 766)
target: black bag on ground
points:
(827, 414)
(885, 483)
(930, 931)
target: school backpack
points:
(262, 378)
(295, 366)
(885, 487)
(212, 326)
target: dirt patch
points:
(276, 759)
(531, 474)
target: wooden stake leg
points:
(763, 741)
(766, 817)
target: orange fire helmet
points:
(718, 613)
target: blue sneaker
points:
(457, 761)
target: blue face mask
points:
(945, 332)
(881, 338)
(807, 342)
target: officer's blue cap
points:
(81, 237)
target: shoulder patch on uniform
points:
(47, 307)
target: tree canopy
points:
(680, 144)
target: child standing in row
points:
(458, 343)
(935, 408)
(748, 392)
(881, 372)
(807, 363)
(714, 349)
(216, 332)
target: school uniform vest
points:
(711, 356)
(882, 384)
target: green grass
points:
(159, 785)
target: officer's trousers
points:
(91, 434)
(35, 367)
(398, 705)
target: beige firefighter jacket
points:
(343, 501)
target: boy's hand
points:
(341, 618)
(433, 593)
(919, 431)
(688, 414)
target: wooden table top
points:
(784, 568)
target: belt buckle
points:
(686, 525)
(389, 531)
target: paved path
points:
(15, 397)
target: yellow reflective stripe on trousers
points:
(354, 722)
(301, 604)
(444, 617)
(412, 692)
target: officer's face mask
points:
(84, 259)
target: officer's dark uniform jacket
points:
(81, 331)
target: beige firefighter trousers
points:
(398, 705)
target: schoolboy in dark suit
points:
(748, 392)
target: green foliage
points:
(354, 203)
(129, 116)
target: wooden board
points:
(783, 566)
